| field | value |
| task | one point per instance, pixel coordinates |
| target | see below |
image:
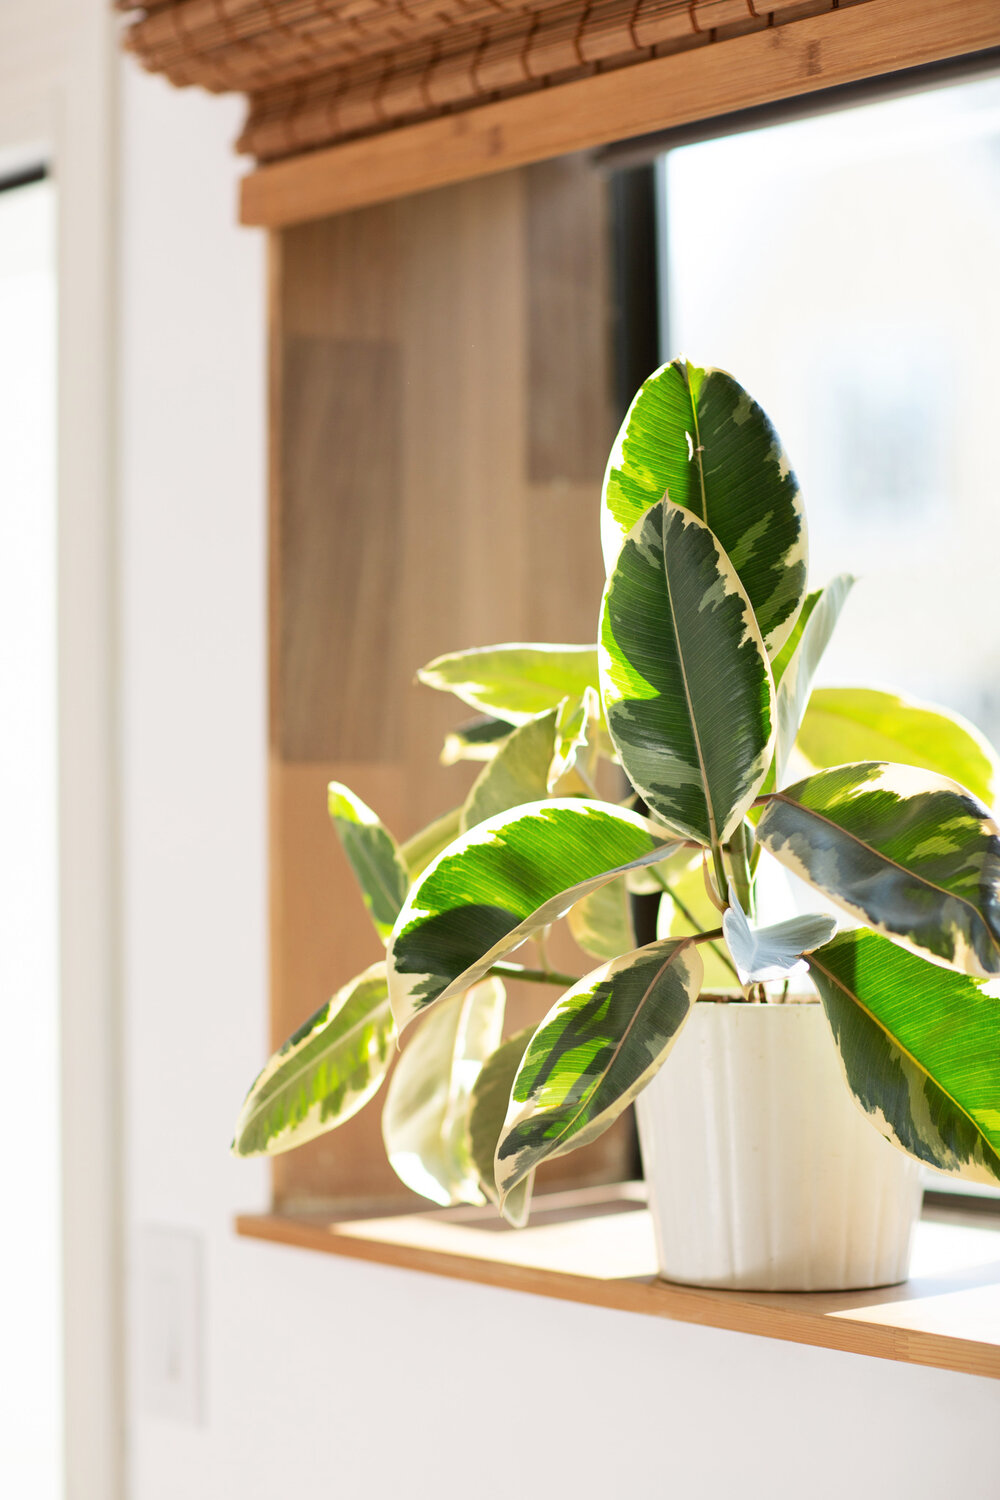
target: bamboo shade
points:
(319, 72)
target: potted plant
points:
(762, 1170)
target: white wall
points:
(324, 1376)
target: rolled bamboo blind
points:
(319, 72)
(360, 101)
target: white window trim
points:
(57, 86)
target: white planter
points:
(762, 1172)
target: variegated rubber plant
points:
(699, 690)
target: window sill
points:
(596, 1246)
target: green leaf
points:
(684, 676)
(581, 737)
(499, 884)
(324, 1073)
(774, 952)
(597, 1048)
(518, 773)
(852, 724)
(920, 1047)
(810, 638)
(908, 852)
(602, 922)
(516, 681)
(425, 1119)
(426, 845)
(373, 856)
(698, 438)
(478, 739)
(490, 1101)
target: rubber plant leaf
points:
(907, 852)
(684, 676)
(477, 739)
(920, 1049)
(502, 882)
(515, 682)
(324, 1073)
(601, 924)
(811, 636)
(490, 1101)
(517, 774)
(580, 738)
(597, 1048)
(697, 437)
(425, 1117)
(851, 724)
(774, 952)
(372, 854)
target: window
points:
(844, 268)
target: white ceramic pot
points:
(762, 1172)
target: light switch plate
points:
(169, 1315)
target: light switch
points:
(169, 1315)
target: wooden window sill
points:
(596, 1246)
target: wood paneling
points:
(580, 1249)
(567, 248)
(780, 62)
(412, 412)
(342, 449)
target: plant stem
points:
(708, 937)
(721, 878)
(740, 862)
(536, 976)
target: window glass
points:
(844, 269)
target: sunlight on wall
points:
(844, 269)
(30, 1372)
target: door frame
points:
(57, 108)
